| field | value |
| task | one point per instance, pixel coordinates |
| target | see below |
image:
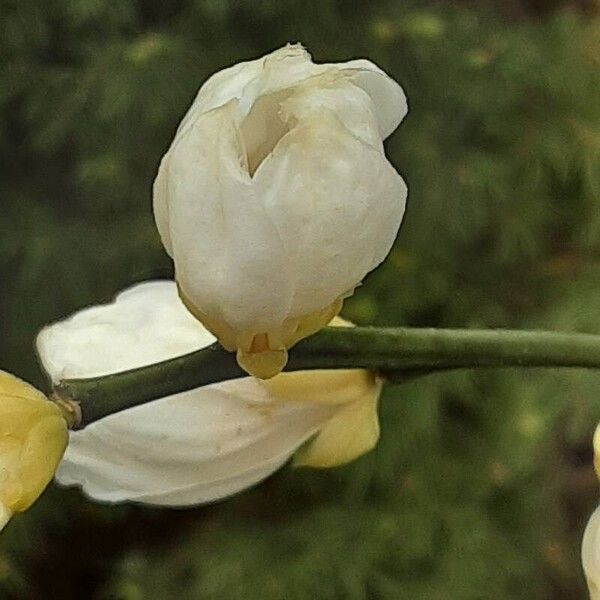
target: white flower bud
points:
(206, 443)
(275, 198)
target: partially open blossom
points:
(590, 548)
(275, 198)
(207, 443)
(33, 436)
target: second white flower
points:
(275, 198)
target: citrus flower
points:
(207, 443)
(276, 198)
(33, 437)
(590, 548)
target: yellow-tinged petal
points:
(13, 386)
(33, 438)
(350, 433)
(5, 515)
(590, 547)
(590, 555)
(264, 364)
(597, 451)
(327, 386)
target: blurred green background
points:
(482, 483)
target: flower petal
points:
(350, 433)
(247, 81)
(10, 385)
(275, 198)
(190, 448)
(5, 515)
(391, 105)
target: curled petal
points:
(388, 97)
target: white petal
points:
(190, 448)
(145, 324)
(275, 198)
(247, 250)
(339, 97)
(590, 554)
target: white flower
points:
(275, 198)
(206, 443)
(590, 547)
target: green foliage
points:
(481, 484)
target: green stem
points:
(398, 353)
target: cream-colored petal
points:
(247, 81)
(333, 387)
(186, 449)
(276, 199)
(337, 96)
(160, 204)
